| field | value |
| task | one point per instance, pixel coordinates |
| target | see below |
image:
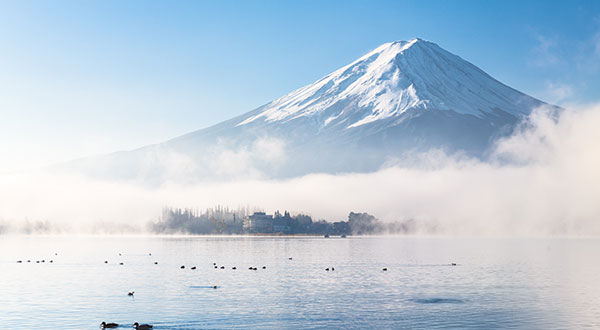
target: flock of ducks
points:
(37, 261)
(194, 267)
(138, 326)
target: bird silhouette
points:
(105, 325)
(142, 326)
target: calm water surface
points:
(497, 283)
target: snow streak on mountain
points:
(402, 98)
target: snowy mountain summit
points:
(394, 78)
(402, 98)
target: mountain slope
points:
(400, 98)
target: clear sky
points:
(79, 78)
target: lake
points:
(497, 283)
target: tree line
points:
(225, 221)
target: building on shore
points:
(259, 222)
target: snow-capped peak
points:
(394, 78)
(400, 98)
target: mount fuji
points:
(402, 98)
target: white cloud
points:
(545, 51)
(558, 93)
(246, 161)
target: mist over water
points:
(543, 180)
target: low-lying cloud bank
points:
(543, 180)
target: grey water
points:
(497, 283)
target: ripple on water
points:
(438, 301)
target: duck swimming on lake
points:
(130, 293)
(105, 325)
(142, 326)
(194, 267)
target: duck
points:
(142, 326)
(105, 261)
(130, 293)
(182, 267)
(120, 263)
(194, 267)
(453, 264)
(105, 325)
(385, 269)
(327, 269)
(222, 267)
(234, 268)
(290, 258)
(332, 269)
(254, 268)
(19, 261)
(264, 267)
(156, 262)
(216, 267)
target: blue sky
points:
(79, 78)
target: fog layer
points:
(543, 180)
